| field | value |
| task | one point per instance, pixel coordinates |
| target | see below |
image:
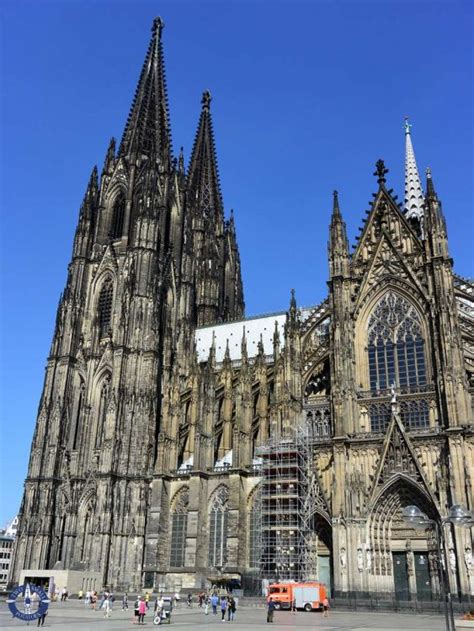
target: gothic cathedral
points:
(160, 398)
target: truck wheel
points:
(277, 606)
(308, 607)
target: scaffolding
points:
(287, 500)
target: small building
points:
(6, 549)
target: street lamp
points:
(458, 516)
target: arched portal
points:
(400, 559)
(320, 548)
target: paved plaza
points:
(72, 615)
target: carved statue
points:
(468, 559)
(343, 559)
(360, 559)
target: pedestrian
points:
(125, 602)
(80, 595)
(270, 610)
(293, 605)
(223, 607)
(106, 606)
(136, 611)
(214, 603)
(206, 604)
(325, 607)
(141, 611)
(87, 599)
(41, 619)
(190, 600)
(231, 607)
(147, 600)
(63, 594)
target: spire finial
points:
(158, 26)
(407, 125)
(380, 171)
(206, 100)
(335, 206)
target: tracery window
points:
(118, 215)
(218, 528)
(395, 345)
(102, 411)
(179, 524)
(105, 307)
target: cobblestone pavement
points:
(72, 615)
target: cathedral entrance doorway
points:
(322, 551)
(400, 576)
(403, 559)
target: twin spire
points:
(203, 175)
(147, 131)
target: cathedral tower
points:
(153, 256)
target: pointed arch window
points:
(395, 345)
(218, 518)
(78, 414)
(179, 524)
(118, 215)
(105, 307)
(102, 411)
(86, 535)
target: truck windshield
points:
(274, 590)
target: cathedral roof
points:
(256, 328)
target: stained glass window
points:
(179, 524)
(395, 345)
(218, 529)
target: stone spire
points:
(147, 131)
(203, 175)
(414, 199)
(338, 246)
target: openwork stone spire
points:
(147, 131)
(414, 199)
(203, 175)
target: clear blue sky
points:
(306, 97)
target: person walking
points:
(206, 604)
(87, 599)
(41, 619)
(293, 605)
(141, 611)
(214, 603)
(125, 602)
(231, 607)
(223, 607)
(106, 607)
(147, 600)
(136, 611)
(270, 610)
(325, 607)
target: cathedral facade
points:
(159, 394)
